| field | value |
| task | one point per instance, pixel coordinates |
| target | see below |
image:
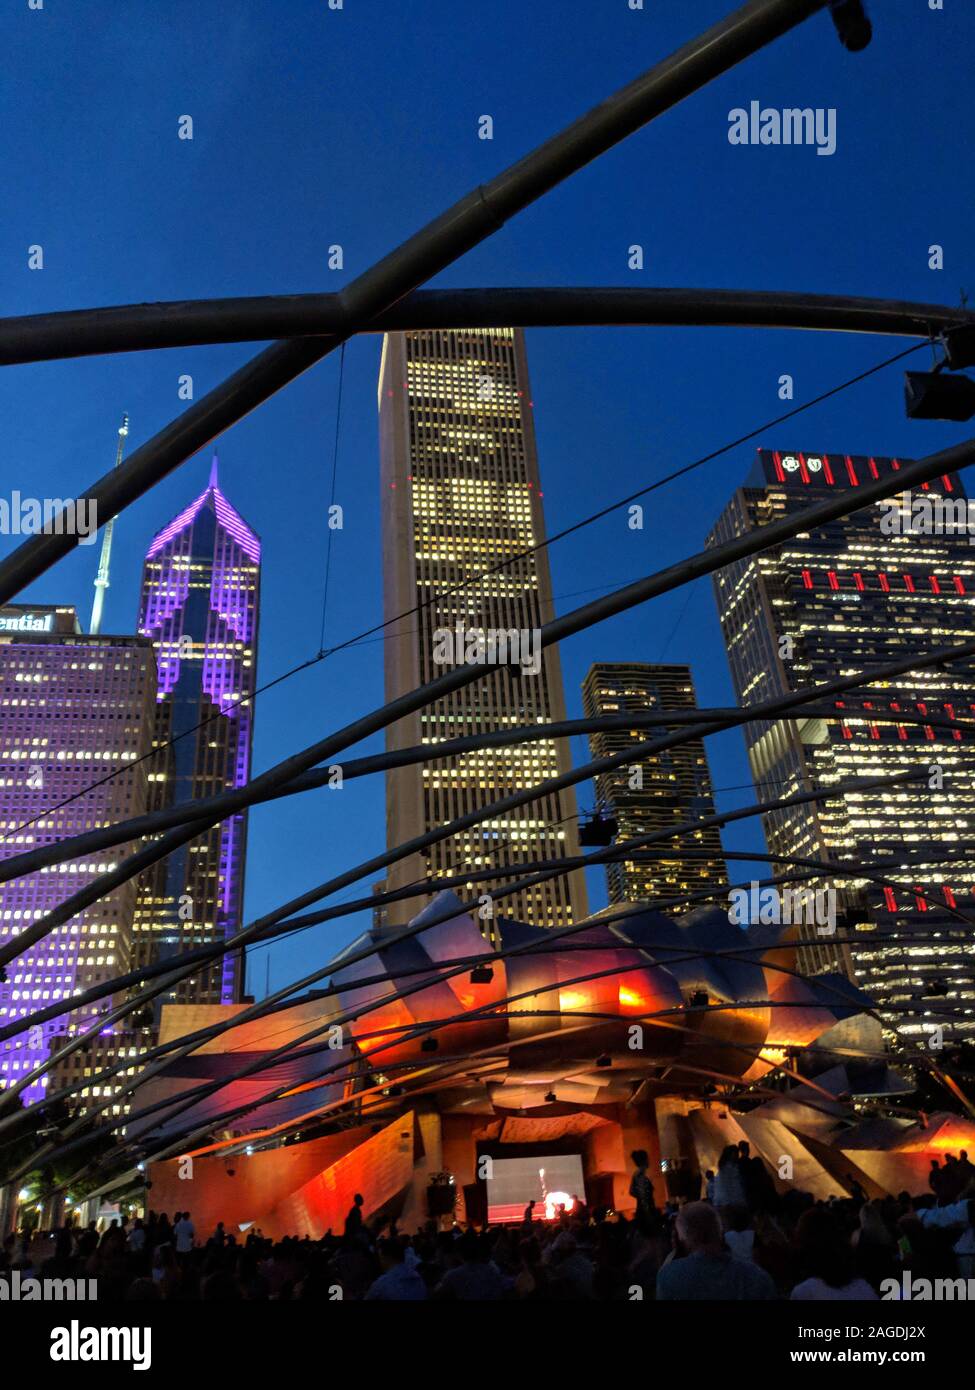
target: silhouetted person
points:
(729, 1188)
(827, 1259)
(935, 1178)
(184, 1234)
(703, 1269)
(641, 1188)
(477, 1279)
(759, 1188)
(354, 1222)
(399, 1282)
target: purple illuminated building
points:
(199, 604)
(73, 711)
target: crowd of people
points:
(735, 1237)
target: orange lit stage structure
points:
(632, 1032)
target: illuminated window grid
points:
(850, 597)
(89, 713)
(461, 487)
(676, 785)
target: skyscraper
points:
(199, 605)
(847, 597)
(654, 792)
(73, 710)
(461, 492)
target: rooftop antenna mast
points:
(104, 561)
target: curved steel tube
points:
(257, 318)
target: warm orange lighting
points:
(554, 1200)
(630, 999)
(572, 999)
(382, 1023)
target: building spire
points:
(104, 561)
(214, 480)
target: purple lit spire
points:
(228, 517)
(200, 606)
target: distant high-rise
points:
(460, 492)
(200, 595)
(844, 598)
(73, 709)
(653, 792)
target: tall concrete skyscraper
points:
(73, 709)
(847, 597)
(461, 492)
(199, 605)
(654, 792)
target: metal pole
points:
(602, 856)
(442, 241)
(90, 841)
(191, 323)
(810, 868)
(705, 562)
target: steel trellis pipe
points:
(705, 562)
(256, 1010)
(256, 318)
(813, 869)
(421, 1029)
(653, 837)
(745, 950)
(187, 1099)
(139, 1000)
(463, 226)
(90, 841)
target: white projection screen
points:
(551, 1181)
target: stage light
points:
(482, 975)
(959, 345)
(852, 24)
(429, 1045)
(934, 396)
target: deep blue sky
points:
(314, 127)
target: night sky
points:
(314, 127)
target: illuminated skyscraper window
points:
(200, 594)
(655, 792)
(461, 492)
(852, 595)
(73, 709)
